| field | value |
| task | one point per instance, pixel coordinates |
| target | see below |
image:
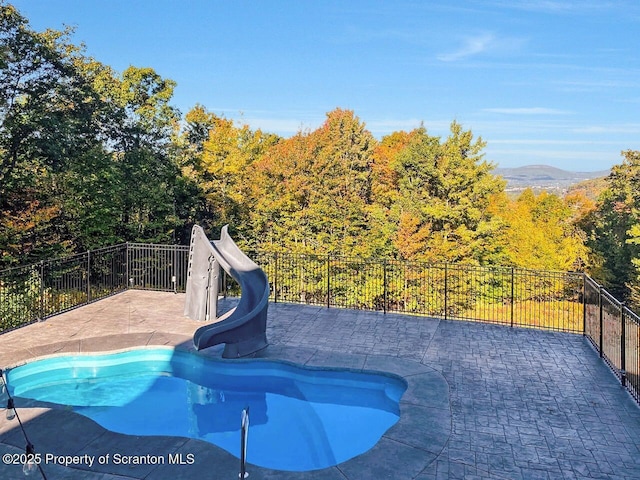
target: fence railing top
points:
(67, 258)
(392, 261)
(320, 257)
(591, 281)
(631, 315)
(11, 270)
(108, 248)
(156, 245)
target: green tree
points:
(147, 172)
(85, 154)
(613, 229)
(444, 192)
(48, 124)
(216, 158)
(312, 190)
(540, 232)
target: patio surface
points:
(484, 401)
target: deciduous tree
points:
(541, 233)
(311, 191)
(444, 190)
(613, 229)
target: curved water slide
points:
(242, 329)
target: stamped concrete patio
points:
(483, 401)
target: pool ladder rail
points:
(244, 436)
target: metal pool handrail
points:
(244, 436)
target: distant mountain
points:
(544, 177)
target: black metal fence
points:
(560, 301)
(38, 291)
(614, 331)
(157, 267)
(510, 296)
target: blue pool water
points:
(301, 418)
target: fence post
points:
(328, 281)
(623, 370)
(275, 280)
(88, 276)
(126, 254)
(584, 304)
(513, 298)
(174, 269)
(41, 272)
(445, 291)
(384, 285)
(601, 320)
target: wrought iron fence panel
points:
(65, 284)
(157, 267)
(20, 296)
(548, 300)
(551, 300)
(415, 288)
(300, 279)
(480, 293)
(611, 330)
(354, 283)
(50, 287)
(632, 352)
(107, 271)
(592, 313)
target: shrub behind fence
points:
(510, 296)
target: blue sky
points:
(541, 81)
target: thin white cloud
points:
(591, 85)
(555, 6)
(281, 126)
(386, 126)
(471, 46)
(633, 128)
(554, 157)
(526, 141)
(481, 43)
(527, 111)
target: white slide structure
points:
(243, 330)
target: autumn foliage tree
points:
(85, 157)
(411, 195)
(217, 157)
(311, 190)
(92, 157)
(540, 232)
(47, 121)
(444, 190)
(385, 208)
(614, 230)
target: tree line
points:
(90, 157)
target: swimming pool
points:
(302, 418)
